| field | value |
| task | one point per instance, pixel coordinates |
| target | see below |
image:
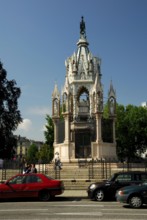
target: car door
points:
(33, 184)
(23, 186)
(120, 181)
(13, 188)
(144, 193)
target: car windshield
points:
(16, 180)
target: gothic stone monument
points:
(81, 131)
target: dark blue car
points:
(133, 195)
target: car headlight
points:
(123, 192)
(92, 186)
(120, 193)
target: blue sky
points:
(37, 36)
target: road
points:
(71, 208)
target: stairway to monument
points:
(78, 175)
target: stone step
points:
(78, 184)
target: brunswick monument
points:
(82, 132)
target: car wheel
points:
(99, 195)
(44, 195)
(135, 201)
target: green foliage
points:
(62, 109)
(49, 133)
(49, 136)
(32, 154)
(45, 154)
(131, 131)
(107, 125)
(106, 111)
(10, 116)
(7, 146)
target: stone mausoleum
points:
(81, 131)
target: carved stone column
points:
(98, 127)
(67, 127)
(55, 121)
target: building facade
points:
(82, 131)
(23, 145)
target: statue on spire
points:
(82, 27)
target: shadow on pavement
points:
(128, 207)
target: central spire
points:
(82, 51)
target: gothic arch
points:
(81, 91)
(56, 107)
(65, 102)
(112, 105)
(83, 104)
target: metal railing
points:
(93, 169)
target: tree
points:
(10, 116)
(107, 125)
(44, 154)
(32, 154)
(131, 131)
(49, 136)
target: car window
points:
(17, 180)
(144, 183)
(33, 179)
(143, 177)
(123, 177)
(140, 177)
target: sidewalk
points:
(74, 193)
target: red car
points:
(34, 185)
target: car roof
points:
(130, 172)
(29, 174)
